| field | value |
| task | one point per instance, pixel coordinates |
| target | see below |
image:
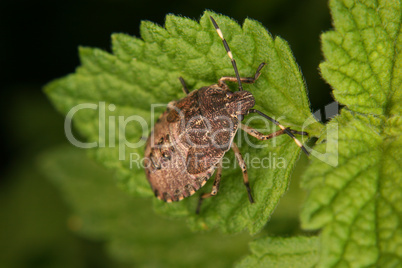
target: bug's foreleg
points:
(247, 80)
(215, 187)
(288, 131)
(243, 167)
(256, 134)
(185, 89)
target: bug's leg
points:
(215, 188)
(247, 80)
(185, 89)
(253, 132)
(288, 131)
(243, 167)
(154, 162)
(237, 79)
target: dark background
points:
(39, 41)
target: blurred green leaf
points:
(134, 235)
(33, 229)
(282, 252)
(144, 72)
(358, 203)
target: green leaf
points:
(140, 73)
(282, 252)
(359, 203)
(363, 56)
(355, 182)
(133, 234)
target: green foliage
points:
(282, 252)
(358, 203)
(363, 60)
(144, 72)
(104, 212)
(354, 180)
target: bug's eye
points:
(240, 117)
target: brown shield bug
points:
(191, 137)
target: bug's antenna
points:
(225, 44)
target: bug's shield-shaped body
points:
(190, 138)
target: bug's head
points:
(240, 103)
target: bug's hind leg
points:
(215, 188)
(243, 167)
(185, 89)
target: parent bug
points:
(191, 137)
